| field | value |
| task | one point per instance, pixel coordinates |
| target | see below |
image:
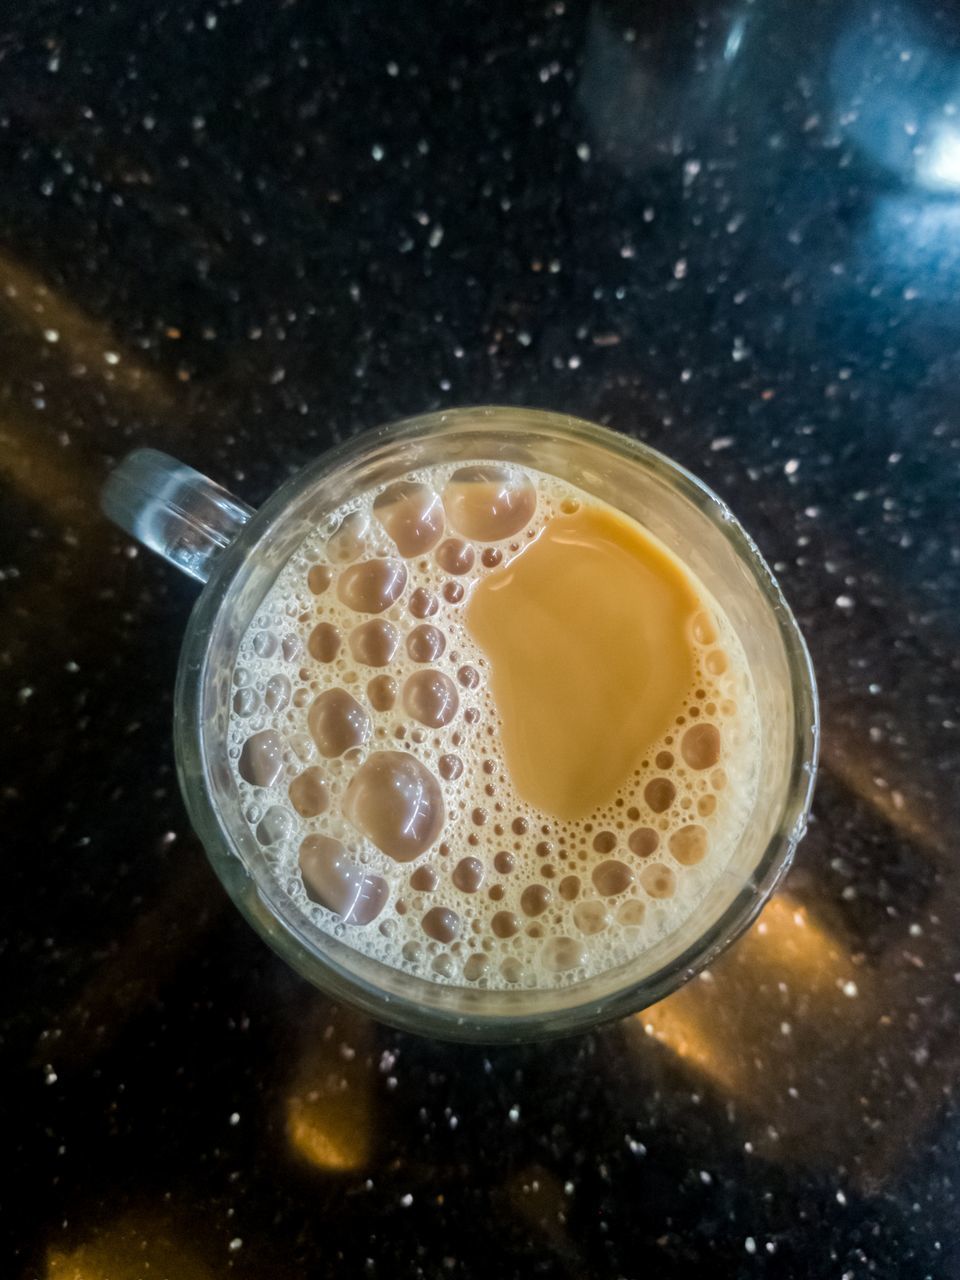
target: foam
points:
(505, 895)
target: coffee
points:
(490, 731)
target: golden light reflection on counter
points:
(328, 1107)
(132, 1248)
(786, 954)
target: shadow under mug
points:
(238, 553)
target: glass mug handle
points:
(173, 510)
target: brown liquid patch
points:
(396, 802)
(372, 585)
(412, 515)
(426, 643)
(489, 503)
(430, 697)
(333, 879)
(324, 642)
(374, 643)
(261, 760)
(309, 793)
(337, 722)
(586, 634)
(700, 746)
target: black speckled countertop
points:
(241, 231)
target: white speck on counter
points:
(750, 1245)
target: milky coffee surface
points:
(490, 732)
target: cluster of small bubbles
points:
(366, 748)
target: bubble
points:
(700, 746)
(333, 879)
(346, 543)
(489, 503)
(504, 862)
(423, 603)
(277, 693)
(450, 767)
(475, 966)
(706, 805)
(591, 916)
(718, 779)
(246, 702)
(468, 875)
(431, 698)
(560, 955)
(519, 828)
(309, 793)
(535, 899)
(453, 592)
(261, 760)
(716, 662)
(337, 722)
(441, 924)
(643, 842)
(631, 912)
(612, 877)
(374, 643)
(504, 924)
(456, 557)
(303, 746)
(265, 644)
(426, 643)
(511, 970)
(490, 557)
(604, 841)
(689, 844)
(703, 630)
(658, 880)
(291, 648)
(276, 824)
(382, 693)
(664, 760)
(319, 578)
(424, 880)
(411, 952)
(469, 677)
(324, 642)
(412, 515)
(372, 585)
(396, 802)
(569, 887)
(659, 794)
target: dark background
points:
(241, 231)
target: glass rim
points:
(407, 1014)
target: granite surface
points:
(241, 231)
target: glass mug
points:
(238, 553)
